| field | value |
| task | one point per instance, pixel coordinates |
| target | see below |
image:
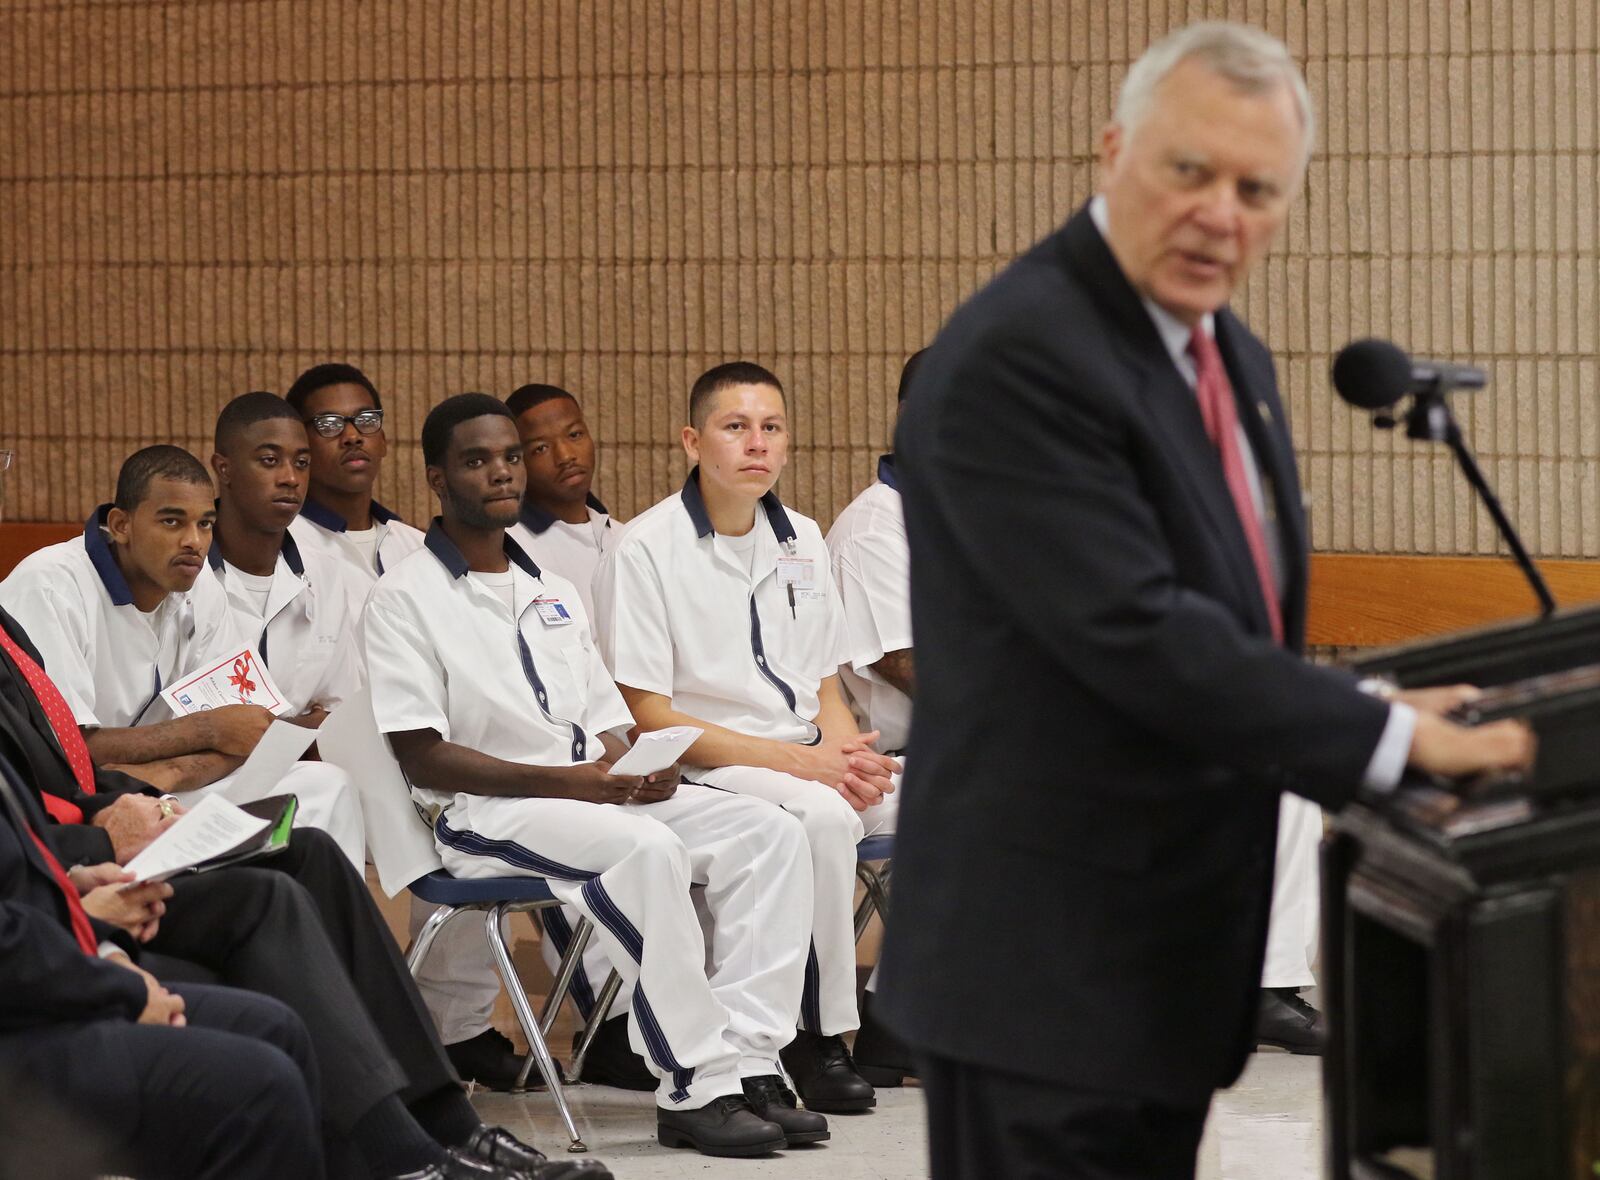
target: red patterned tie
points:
(1221, 415)
(81, 930)
(66, 730)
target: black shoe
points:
(774, 1101)
(881, 1060)
(459, 1165)
(488, 1059)
(825, 1075)
(1288, 1022)
(724, 1126)
(612, 1061)
(498, 1146)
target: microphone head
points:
(1372, 374)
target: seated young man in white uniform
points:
(288, 604)
(565, 529)
(360, 538)
(340, 519)
(133, 606)
(716, 609)
(487, 681)
(872, 569)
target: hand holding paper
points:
(657, 750)
(212, 827)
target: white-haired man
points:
(1119, 663)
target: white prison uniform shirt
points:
(109, 658)
(571, 550)
(872, 568)
(683, 614)
(322, 531)
(444, 653)
(304, 635)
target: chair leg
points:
(865, 908)
(602, 1008)
(570, 962)
(494, 928)
(425, 936)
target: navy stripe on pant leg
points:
(659, 1048)
(811, 993)
(507, 851)
(559, 932)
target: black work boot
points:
(825, 1075)
(774, 1101)
(723, 1126)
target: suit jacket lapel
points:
(1173, 408)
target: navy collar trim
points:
(319, 513)
(695, 503)
(104, 561)
(538, 520)
(886, 472)
(442, 547)
(290, 551)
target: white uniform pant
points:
(1296, 896)
(327, 800)
(704, 1017)
(878, 820)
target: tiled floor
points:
(1268, 1127)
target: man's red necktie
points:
(1221, 415)
(68, 735)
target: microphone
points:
(1374, 374)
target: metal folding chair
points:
(496, 897)
(874, 850)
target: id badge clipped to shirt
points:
(796, 573)
(552, 612)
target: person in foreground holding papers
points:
(299, 925)
(487, 682)
(717, 610)
(131, 608)
(192, 1081)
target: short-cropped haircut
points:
(524, 399)
(319, 377)
(443, 419)
(245, 411)
(162, 461)
(714, 381)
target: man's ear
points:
(119, 525)
(1111, 140)
(435, 478)
(219, 464)
(691, 443)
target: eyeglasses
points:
(5, 460)
(332, 425)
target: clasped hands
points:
(108, 896)
(852, 767)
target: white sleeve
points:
(636, 634)
(57, 622)
(874, 578)
(408, 681)
(835, 647)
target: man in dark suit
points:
(197, 1082)
(1110, 690)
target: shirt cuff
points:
(107, 949)
(1394, 747)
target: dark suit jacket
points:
(31, 745)
(1103, 724)
(45, 977)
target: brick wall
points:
(202, 197)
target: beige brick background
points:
(203, 197)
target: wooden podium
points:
(1461, 982)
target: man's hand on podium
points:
(1441, 700)
(1452, 751)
